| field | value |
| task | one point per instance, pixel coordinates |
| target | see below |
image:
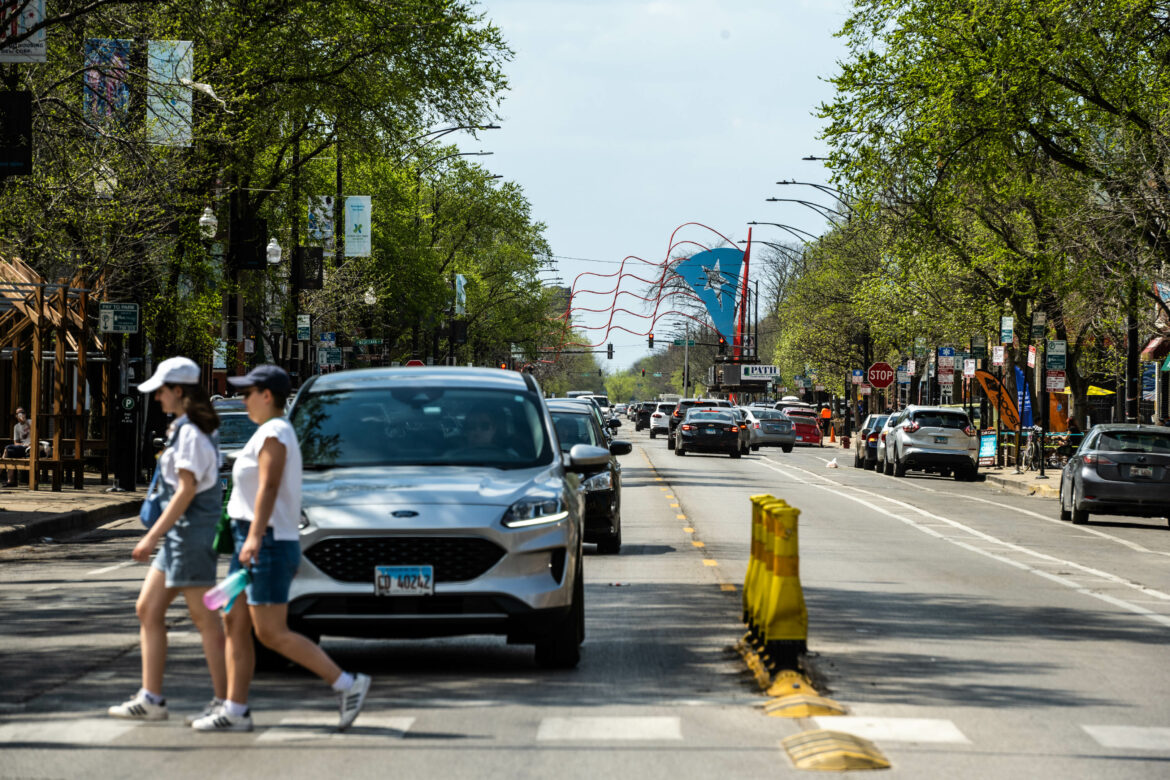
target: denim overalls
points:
(186, 554)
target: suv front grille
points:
(454, 559)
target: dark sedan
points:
(708, 430)
(1119, 469)
(575, 424)
(865, 446)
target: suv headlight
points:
(535, 511)
(602, 481)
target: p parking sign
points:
(117, 317)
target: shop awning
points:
(1093, 390)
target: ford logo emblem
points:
(404, 513)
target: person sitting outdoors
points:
(21, 439)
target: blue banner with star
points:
(714, 276)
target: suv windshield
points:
(941, 420)
(430, 426)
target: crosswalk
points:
(380, 726)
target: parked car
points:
(708, 430)
(235, 428)
(865, 445)
(745, 435)
(575, 425)
(883, 434)
(933, 439)
(436, 502)
(685, 404)
(1119, 469)
(805, 424)
(660, 418)
(770, 428)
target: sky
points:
(626, 119)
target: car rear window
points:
(878, 422)
(413, 425)
(767, 414)
(667, 408)
(941, 420)
(807, 413)
(711, 416)
(1135, 441)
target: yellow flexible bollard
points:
(762, 602)
(756, 558)
(786, 623)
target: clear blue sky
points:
(626, 119)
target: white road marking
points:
(614, 728)
(1131, 737)
(83, 731)
(108, 569)
(324, 726)
(895, 729)
(828, 484)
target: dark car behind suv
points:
(686, 405)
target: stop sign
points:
(881, 375)
(415, 363)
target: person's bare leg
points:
(211, 631)
(271, 621)
(153, 600)
(239, 652)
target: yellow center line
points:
(710, 562)
(688, 530)
(668, 495)
(675, 506)
(698, 544)
(680, 517)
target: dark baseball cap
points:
(265, 377)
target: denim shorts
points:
(186, 554)
(273, 568)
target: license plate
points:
(1141, 471)
(404, 581)
(800, 438)
(940, 439)
(712, 430)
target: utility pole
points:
(687, 361)
(1132, 363)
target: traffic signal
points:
(722, 345)
(504, 365)
(650, 341)
(609, 351)
(643, 372)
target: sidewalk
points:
(1024, 484)
(27, 515)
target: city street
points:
(969, 633)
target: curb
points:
(1037, 489)
(77, 520)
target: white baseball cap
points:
(172, 371)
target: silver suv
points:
(437, 502)
(931, 438)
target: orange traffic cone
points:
(832, 435)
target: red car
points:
(805, 424)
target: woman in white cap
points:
(192, 500)
(265, 507)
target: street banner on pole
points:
(357, 226)
(460, 295)
(997, 356)
(16, 136)
(1007, 326)
(321, 217)
(106, 96)
(168, 101)
(17, 17)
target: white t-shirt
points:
(192, 451)
(286, 512)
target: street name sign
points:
(681, 342)
(881, 375)
(118, 317)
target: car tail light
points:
(883, 438)
(871, 437)
(1097, 459)
(757, 426)
(970, 430)
(688, 427)
(911, 427)
(734, 429)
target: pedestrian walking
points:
(265, 507)
(21, 439)
(192, 500)
(826, 419)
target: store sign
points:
(759, 373)
(987, 449)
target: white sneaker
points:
(351, 701)
(221, 721)
(139, 708)
(211, 708)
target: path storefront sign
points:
(754, 373)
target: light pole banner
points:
(321, 217)
(460, 295)
(168, 102)
(106, 96)
(17, 17)
(357, 226)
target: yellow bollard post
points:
(755, 559)
(786, 629)
(762, 605)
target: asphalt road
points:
(970, 633)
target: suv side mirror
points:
(614, 423)
(620, 448)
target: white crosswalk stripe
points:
(82, 731)
(314, 726)
(1130, 737)
(609, 729)
(894, 729)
